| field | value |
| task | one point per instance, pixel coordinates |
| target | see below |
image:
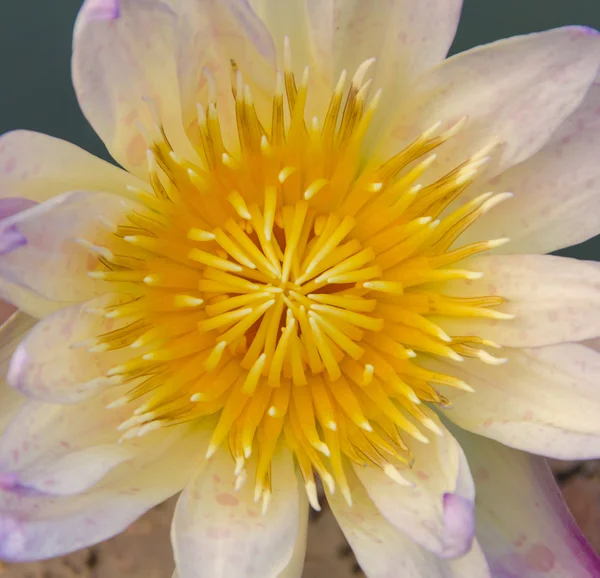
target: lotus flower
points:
(302, 276)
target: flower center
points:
(288, 288)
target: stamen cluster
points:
(286, 286)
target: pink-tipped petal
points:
(103, 9)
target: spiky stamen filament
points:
(280, 286)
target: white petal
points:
(50, 269)
(384, 552)
(515, 91)
(438, 511)
(219, 533)
(523, 524)
(37, 166)
(554, 299)
(51, 365)
(557, 191)
(120, 57)
(11, 333)
(211, 35)
(59, 449)
(544, 400)
(295, 566)
(35, 526)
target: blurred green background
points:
(35, 49)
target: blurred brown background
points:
(35, 44)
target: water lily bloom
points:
(302, 276)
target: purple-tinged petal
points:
(36, 526)
(52, 265)
(13, 205)
(523, 523)
(10, 239)
(102, 9)
(437, 511)
(459, 525)
(383, 551)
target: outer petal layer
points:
(544, 400)
(557, 191)
(515, 91)
(523, 524)
(37, 166)
(121, 56)
(384, 552)
(218, 533)
(36, 526)
(554, 299)
(438, 511)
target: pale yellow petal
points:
(213, 38)
(11, 333)
(119, 59)
(42, 526)
(37, 166)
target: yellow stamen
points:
(278, 285)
